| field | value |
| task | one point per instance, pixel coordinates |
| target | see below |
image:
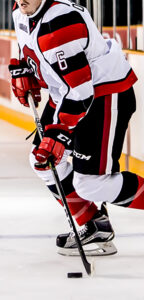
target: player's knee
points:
(98, 188)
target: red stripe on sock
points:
(87, 216)
(77, 205)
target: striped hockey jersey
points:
(70, 57)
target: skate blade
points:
(98, 249)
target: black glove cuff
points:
(61, 136)
(21, 70)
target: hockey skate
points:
(96, 237)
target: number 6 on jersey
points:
(61, 60)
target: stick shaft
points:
(36, 117)
(87, 265)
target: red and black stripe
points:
(77, 72)
(61, 22)
(61, 30)
(116, 86)
(75, 107)
(78, 77)
(74, 63)
(71, 111)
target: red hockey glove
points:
(57, 137)
(23, 81)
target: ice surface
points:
(30, 219)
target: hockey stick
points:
(88, 267)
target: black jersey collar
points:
(33, 20)
(40, 14)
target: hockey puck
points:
(75, 275)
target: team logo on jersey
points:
(33, 65)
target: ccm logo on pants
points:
(81, 156)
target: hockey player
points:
(91, 101)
